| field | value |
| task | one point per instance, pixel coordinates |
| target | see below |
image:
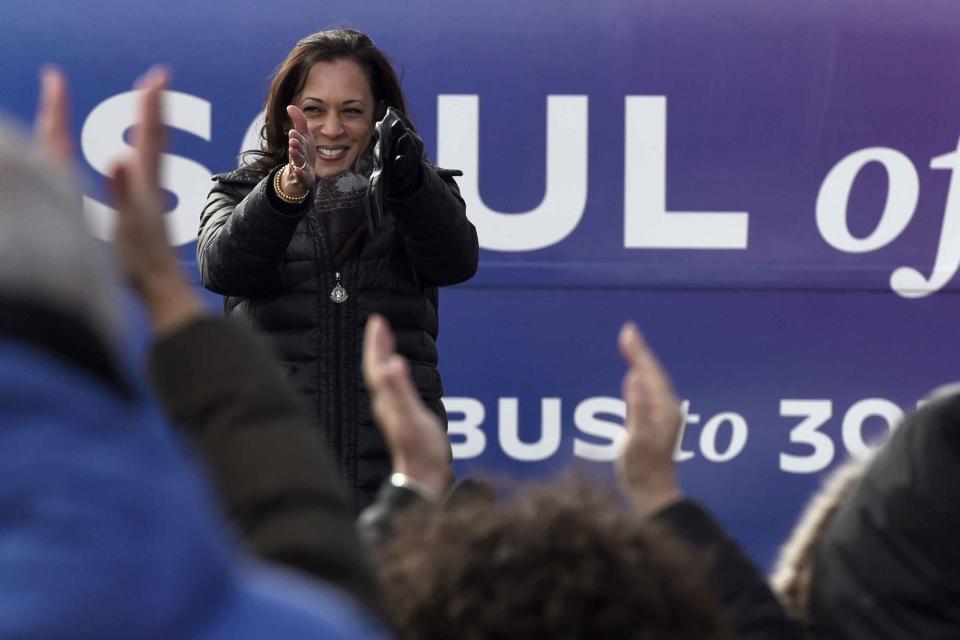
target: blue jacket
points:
(107, 531)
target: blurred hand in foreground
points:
(645, 468)
(140, 237)
(51, 129)
(418, 444)
(143, 251)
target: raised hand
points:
(52, 125)
(140, 238)
(418, 445)
(646, 469)
(397, 164)
(300, 173)
(405, 159)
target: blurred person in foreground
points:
(875, 556)
(107, 530)
(561, 560)
(219, 383)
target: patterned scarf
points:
(339, 205)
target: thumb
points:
(299, 120)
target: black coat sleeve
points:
(441, 242)
(278, 483)
(752, 610)
(888, 564)
(243, 237)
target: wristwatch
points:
(406, 483)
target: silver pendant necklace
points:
(338, 294)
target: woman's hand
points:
(405, 160)
(300, 174)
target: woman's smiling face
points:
(338, 103)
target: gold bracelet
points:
(279, 190)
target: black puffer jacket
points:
(274, 263)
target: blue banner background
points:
(763, 99)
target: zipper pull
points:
(338, 294)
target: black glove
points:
(397, 163)
(405, 162)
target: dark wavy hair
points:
(563, 560)
(291, 76)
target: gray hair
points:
(47, 253)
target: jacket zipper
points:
(324, 248)
(337, 403)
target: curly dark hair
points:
(291, 76)
(564, 560)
